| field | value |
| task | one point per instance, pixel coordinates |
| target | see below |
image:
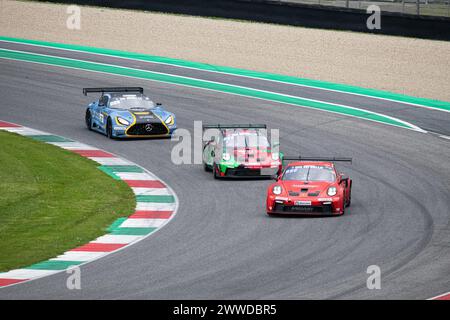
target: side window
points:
(103, 101)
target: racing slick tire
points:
(88, 119)
(206, 167)
(349, 198)
(109, 128)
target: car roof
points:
(234, 131)
(311, 163)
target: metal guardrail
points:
(439, 8)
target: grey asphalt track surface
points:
(221, 245)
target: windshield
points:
(131, 101)
(310, 173)
(247, 140)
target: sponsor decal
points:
(302, 203)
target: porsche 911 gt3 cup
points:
(125, 112)
(310, 186)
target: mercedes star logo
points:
(148, 127)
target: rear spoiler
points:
(234, 126)
(113, 89)
(317, 159)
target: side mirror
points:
(344, 178)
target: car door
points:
(101, 114)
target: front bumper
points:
(249, 171)
(306, 206)
(141, 130)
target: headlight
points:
(122, 121)
(226, 156)
(275, 156)
(332, 191)
(276, 190)
(169, 120)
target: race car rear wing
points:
(299, 158)
(234, 126)
(113, 89)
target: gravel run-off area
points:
(405, 65)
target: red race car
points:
(310, 186)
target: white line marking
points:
(73, 146)
(79, 256)
(151, 191)
(135, 176)
(143, 223)
(20, 274)
(110, 161)
(150, 206)
(24, 131)
(112, 238)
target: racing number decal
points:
(101, 117)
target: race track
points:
(221, 245)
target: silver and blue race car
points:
(125, 112)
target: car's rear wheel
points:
(88, 120)
(109, 129)
(349, 202)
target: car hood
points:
(141, 115)
(306, 188)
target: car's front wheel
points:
(88, 120)
(349, 202)
(206, 167)
(109, 133)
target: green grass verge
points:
(52, 200)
